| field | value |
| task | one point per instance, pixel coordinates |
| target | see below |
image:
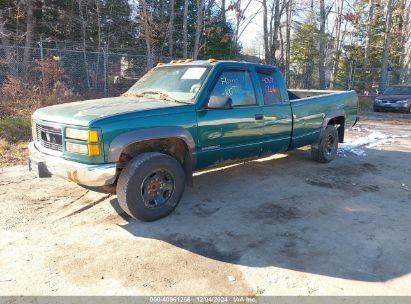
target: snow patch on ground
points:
(373, 139)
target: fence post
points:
(41, 55)
(105, 58)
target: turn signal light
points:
(93, 136)
(93, 150)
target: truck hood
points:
(82, 113)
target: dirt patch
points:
(149, 265)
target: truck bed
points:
(310, 107)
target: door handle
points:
(259, 116)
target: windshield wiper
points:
(162, 95)
(132, 94)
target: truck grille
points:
(50, 137)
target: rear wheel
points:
(325, 149)
(150, 186)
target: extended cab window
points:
(238, 86)
(269, 86)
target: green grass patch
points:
(15, 133)
(15, 129)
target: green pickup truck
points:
(179, 118)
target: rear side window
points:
(269, 86)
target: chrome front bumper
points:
(44, 165)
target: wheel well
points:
(338, 122)
(174, 147)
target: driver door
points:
(229, 134)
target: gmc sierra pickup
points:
(182, 117)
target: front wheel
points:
(151, 186)
(325, 149)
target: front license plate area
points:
(39, 168)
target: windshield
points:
(398, 91)
(177, 83)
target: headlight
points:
(86, 135)
(402, 101)
(76, 148)
(378, 100)
(90, 150)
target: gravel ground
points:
(278, 226)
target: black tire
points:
(376, 110)
(325, 149)
(144, 175)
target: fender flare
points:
(328, 117)
(119, 143)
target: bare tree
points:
(265, 32)
(199, 28)
(83, 32)
(339, 8)
(147, 28)
(223, 17)
(289, 9)
(321, 62)
(185, 38)
(386, 45)
(4, 32)
(368, 37)
(171, 29)
(29, 33)
(275, 26)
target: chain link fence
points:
(106, 73)
(88, 73)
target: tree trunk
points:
(98, 11)
(4, 33)
(185, 42)
(29, 34)
(265, 33)
(199, 28)
(403, 22)
(368, 38)
(276, 28)
(147, 33)
(223, 11)
(289, 14)
(83, 31)
(321, 65)
(171, 29)
(337, 42)
(386, 46)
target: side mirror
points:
(220, 103)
